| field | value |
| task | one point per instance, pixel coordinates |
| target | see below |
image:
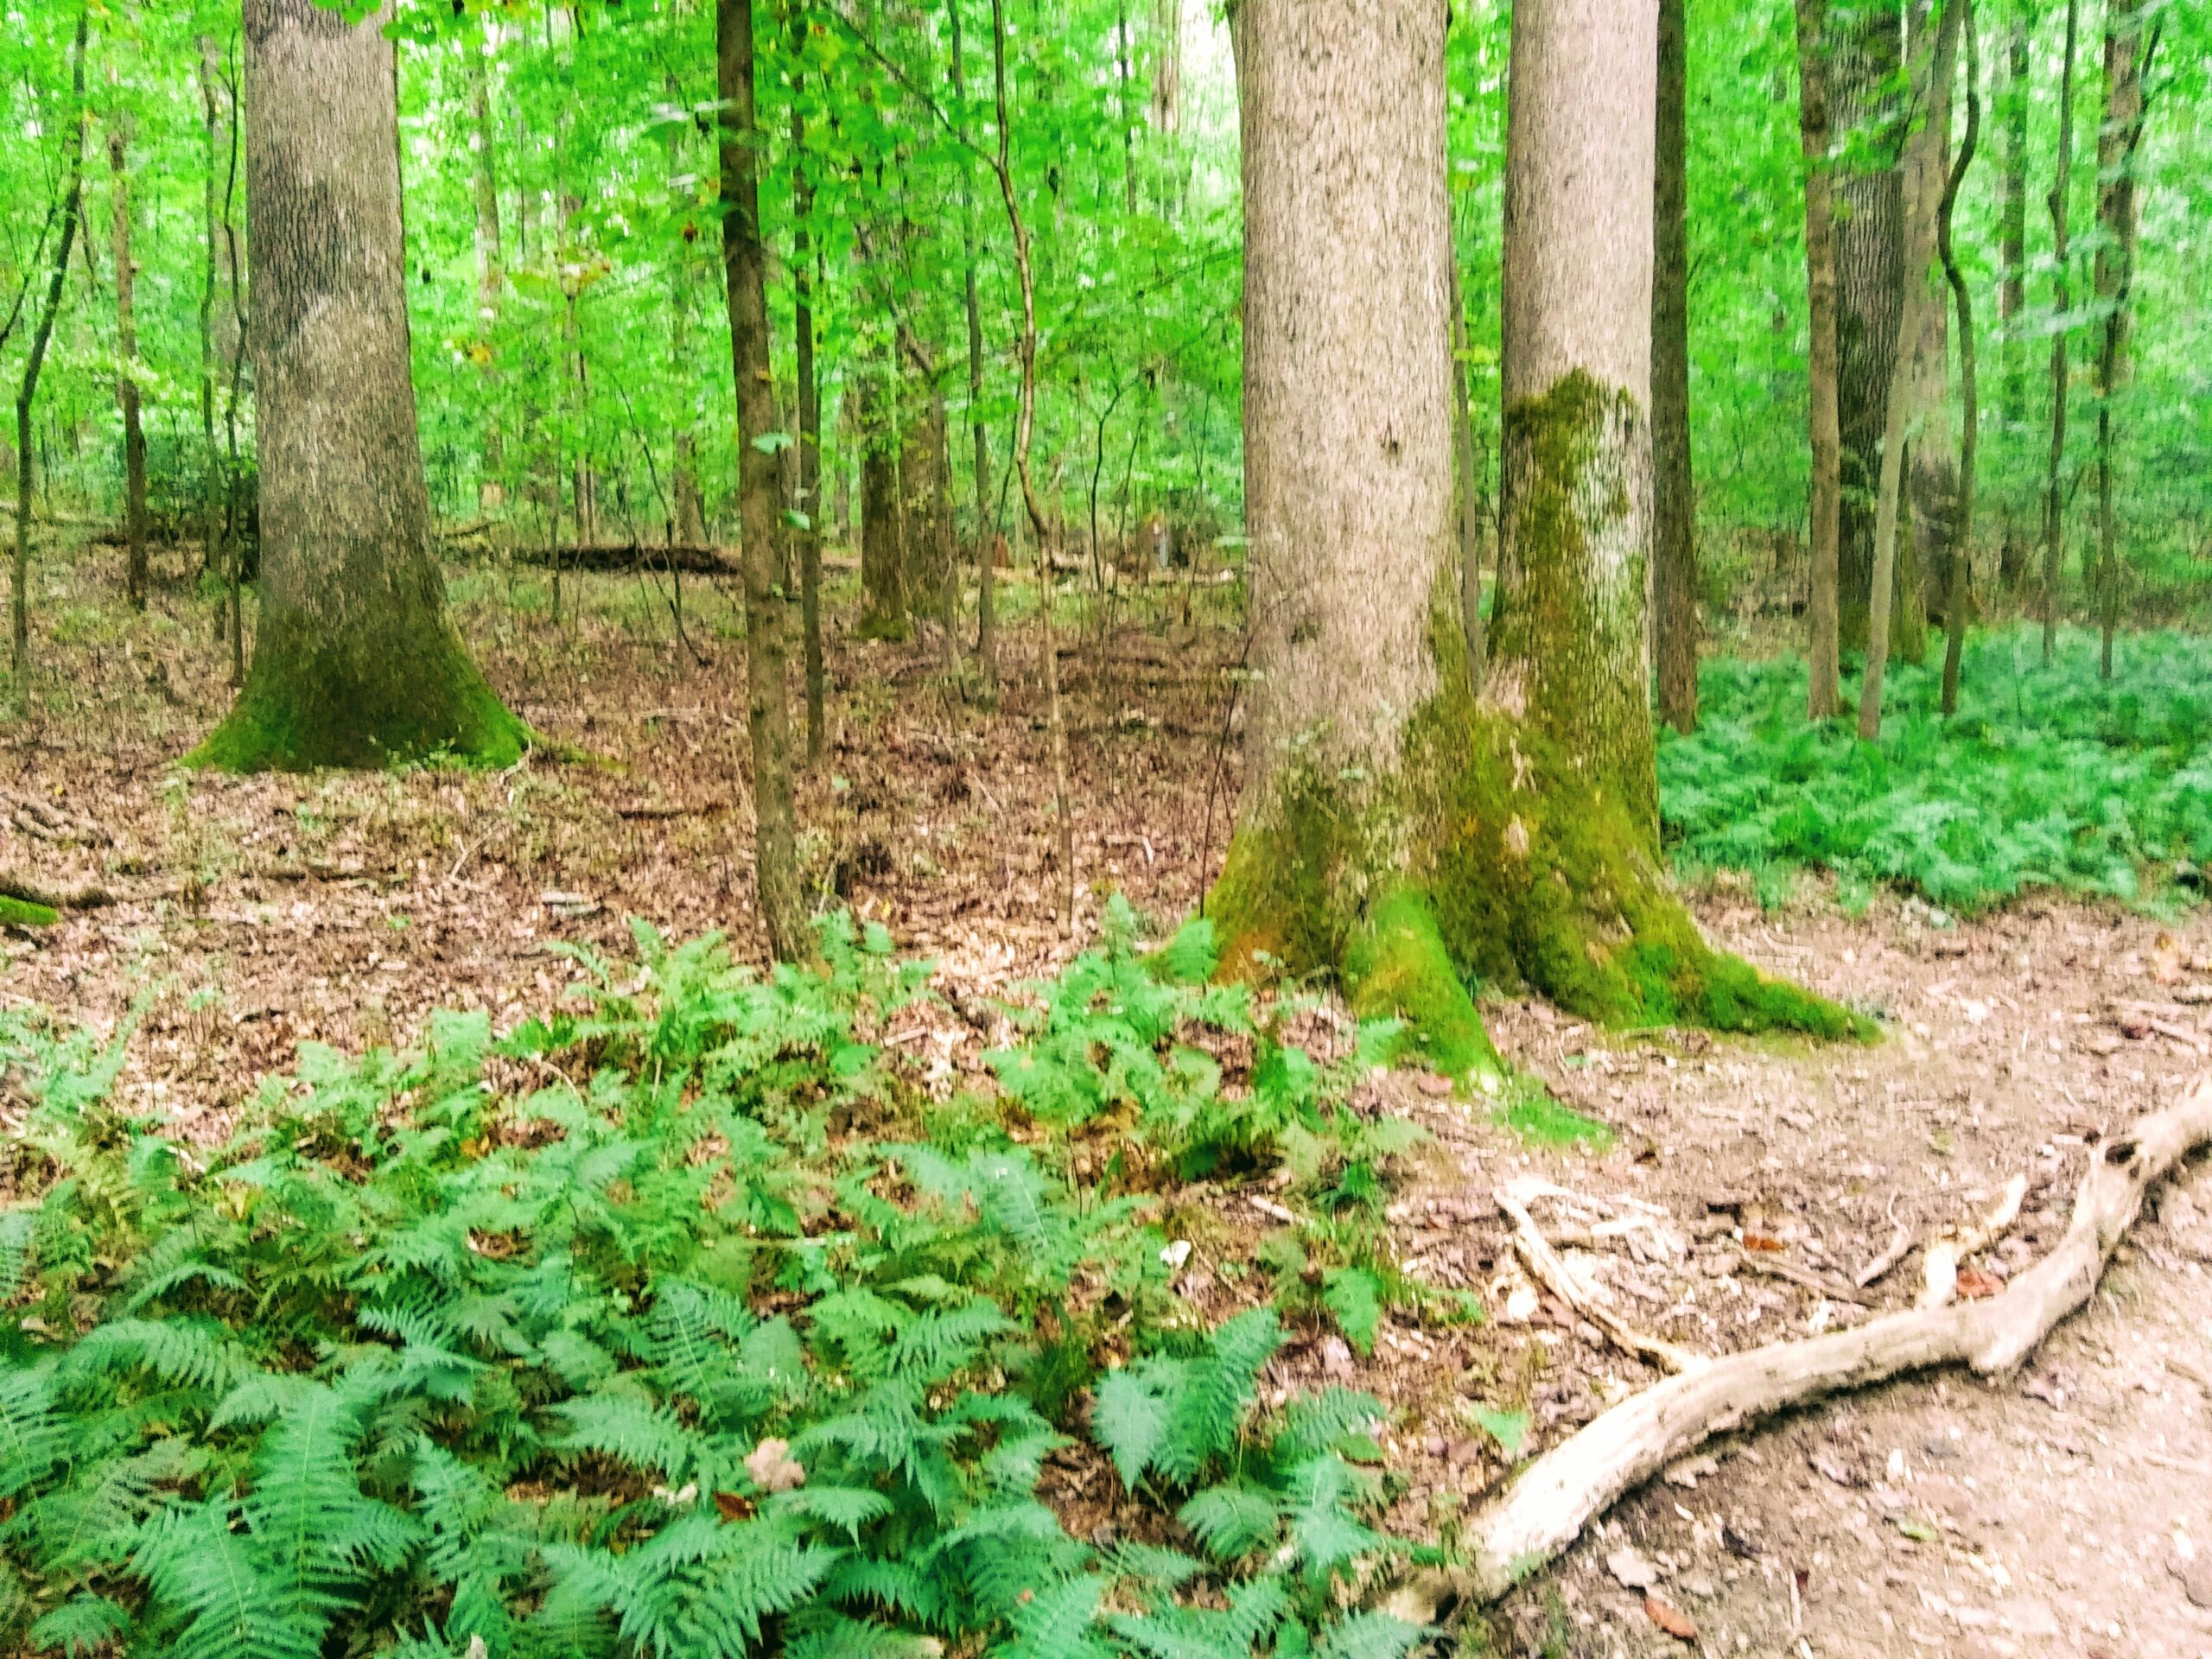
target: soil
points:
(2064, 1511)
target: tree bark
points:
(1864, 62)
(356, 662)
(807, 536)
(1931, 458)
(1675, 501)
(883, 577)
(2053, 504)
(2127, 55)
(1470, 506)
(491, 264)
(2012, 260)
(72, 204)
(744, 266)
(211, 464)
(1398, 830)
(1930, 68)
(987, 652)
(126, 351)
(1822, 698)
(1955, 597)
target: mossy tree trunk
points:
(1674, 590)
(759, 491)
(1397, 829)
(356, 662)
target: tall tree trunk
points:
(2053, 504)
(1822, 651)
(1930, 67)
(72, 210)
(491, 264)
(987, 650)
(211, 508)
(126, 352)
(2012, 259)
(1129, 120)
(1674, 499)
(1955, 597)
(2127, 57)
(1931, 459)
(1167, 102)
(745, 267)
(356, 662)
(807, 536)
(1395, 827)
(1865, 59)
(1024, 426)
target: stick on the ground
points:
(1544, 1263)
(1939, 1268)
(1545, 1509)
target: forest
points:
(1106, 828)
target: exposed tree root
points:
(1545, 1509)
(1551, 1273)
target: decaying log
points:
(1543, 1511)
(618, 557)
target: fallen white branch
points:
(1545, 1510)
(1939, 1268)
(1544, 1263)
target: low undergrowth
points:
(681, 1321)
(2047, 777)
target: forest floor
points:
(2067, 1511)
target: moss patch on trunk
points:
(310, 701)
(21, 912)
(1485, 857)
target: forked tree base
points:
(1488, 857)
(304, 708)
(1549, 1502)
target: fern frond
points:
(631, 1431)
(1233, 1519)
(185, 1353)
(81, 1625)
(1368, 1635)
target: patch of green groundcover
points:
(2047, 777)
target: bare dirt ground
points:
(2066, 1512)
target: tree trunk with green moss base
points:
(1398, 830)
(356, 662)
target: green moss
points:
(21, 912)
(310, 703)
(883, 624)
(1282, 896)
(1396, 966)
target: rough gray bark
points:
(1956, 595)
(883, 578)
(1931, 66)
(71, 209)
(356, 662)
(1821, 650)
(491, 264)
(1470, 506)
(806, 537)
(1569, 649)
(1866, 58)
(745, 268)
(1347, 246)
(1932, 475)
(1674, 584)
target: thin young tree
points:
(356, 662)
(71, 211)
(2054, 502)
(1957, 594)
(127, 396)
(1823, 699)
(1674, 501)
(987, 652)
(1396, 829)
(806, 528)
(745, 268)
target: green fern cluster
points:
(669, 1324)
(2049, 776)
